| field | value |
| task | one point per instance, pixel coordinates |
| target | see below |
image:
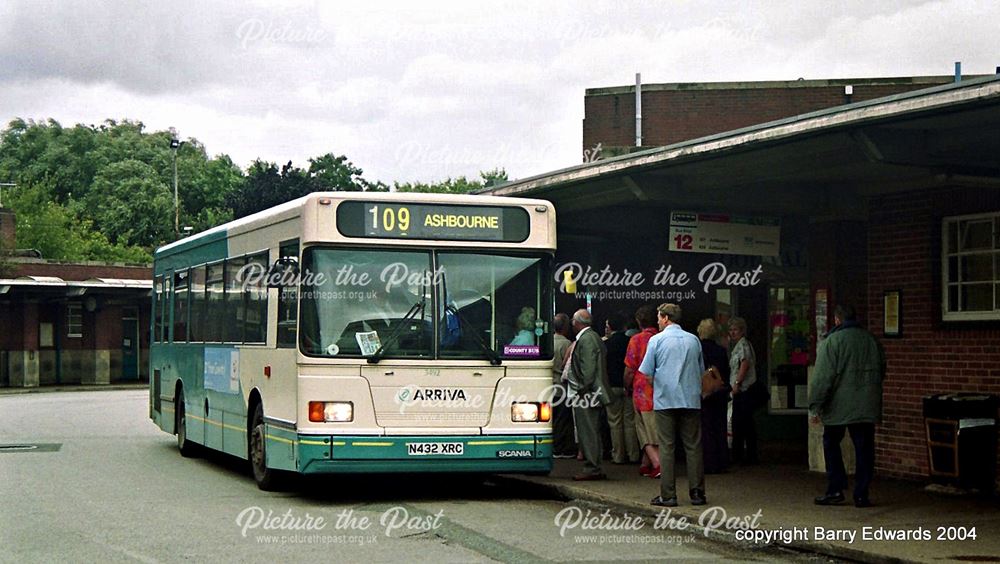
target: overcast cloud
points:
(421, 91)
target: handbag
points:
(711, 382)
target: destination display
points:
(439, 222)
(721, 233)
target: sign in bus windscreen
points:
(442, 222)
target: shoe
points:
(660, 502)
(645, 470)
(698, 497)
(589, 477)
(862, 502)
(655, 474)
(830, 499)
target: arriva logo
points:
(411, 394)
(454, 398)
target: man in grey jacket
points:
(588, 393)
(846, 394)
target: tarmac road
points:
(104, 484)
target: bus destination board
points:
(439, 222)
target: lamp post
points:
(174, 145)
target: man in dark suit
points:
(588, 393)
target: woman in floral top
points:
(642, 391)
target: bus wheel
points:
(185, 446)
(266, 478)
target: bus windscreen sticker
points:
(368, 341)
(527, 351)
(222, 370)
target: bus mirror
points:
(284, 272)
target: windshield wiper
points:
(394, 335)
(492, 354)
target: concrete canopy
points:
(821, 165)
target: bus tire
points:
(267, 478)
(186, 447)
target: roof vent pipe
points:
(638, 109)
(958, 71)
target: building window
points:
(971, 267)
(74, 320)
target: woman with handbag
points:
(714, 399)
(743, 375)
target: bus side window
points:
(256, 301)
(158, 309)
(288, 299)
(180, 306)
(199, 317)
(236, 307)
(214, 302)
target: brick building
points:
(71, 323)
(676, 112)
(889, 203)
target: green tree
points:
(81, 166)
(459, 185)
(57, 232)
(131, 204)
(266, 186)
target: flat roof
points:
(881, 117)
(762, 84)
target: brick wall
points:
(678, 112)
(931, 357)
(80, 272)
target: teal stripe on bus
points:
(205, 248)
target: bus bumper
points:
(319, 454)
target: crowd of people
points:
(649, 384)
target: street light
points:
(174, 145)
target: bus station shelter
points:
(891, 205)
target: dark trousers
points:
(588, 430)
(688, 423)
(563, 441)
(863, 437)
(713, 432)
(744, 429)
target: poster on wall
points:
(822, 314)
(891, 321)
(723, 233)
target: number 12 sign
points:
(692, 232)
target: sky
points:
(421, 91)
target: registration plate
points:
(430, 449)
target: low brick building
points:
(72, 323)
(890, 204)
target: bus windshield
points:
(359, 302)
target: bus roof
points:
(294, 208)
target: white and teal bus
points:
(361, 332)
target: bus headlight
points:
(331, 411)
(530, 412)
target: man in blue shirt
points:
(674, 358)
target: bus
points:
(361, 332)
